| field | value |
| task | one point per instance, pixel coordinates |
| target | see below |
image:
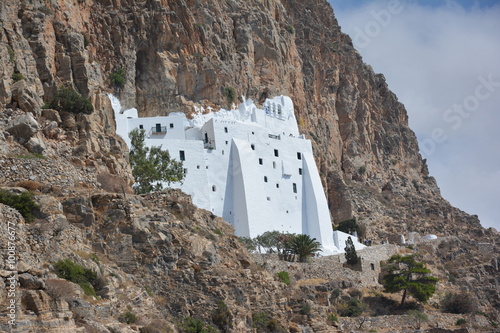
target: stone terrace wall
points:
(331, 267)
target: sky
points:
(442, 59)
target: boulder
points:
(52, 115)
(29, 281)
(26, 99)
(35, 145)
(23, 127)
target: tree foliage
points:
(151, 167)
(304, 246)
(459, 303)
(350, 252)
(66, 99)
(406, 274)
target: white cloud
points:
(435, 58)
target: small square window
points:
(141, 126)
(276, 153)
(171, 125)
(265, 179)
(300, 171)
(299, 156)
(277, 185)
(261, 161)
(252, 146)
(185, 171)
(268, 198)
(227, 142)
(225, 129)
(197, 167)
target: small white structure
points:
(248, 165)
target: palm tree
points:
(304, 246)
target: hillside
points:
(173, 55)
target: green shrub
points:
(222, 317)
(118, 78)
(230, 94)
(305, 309)
(12, 53)
(461, 322)
(332, 317)
(353, 308)
(263, 322)
(23, 203)
(196, 325)
(290, 29)
(128, 318)
(284, 277)
(459, 303)
(148, 290)
(84, 277)
(67, 99)
(16, 77)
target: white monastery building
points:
(248, 165)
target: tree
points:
(151, 166)
(350, 252)
(410, 276)
(304, 246)
(66, 99)
(418, 318)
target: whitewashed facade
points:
(248, 165)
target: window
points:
(182, 155)
(372, 267)
(158, 128)
(265, 179)
(277, 185)
(223, 152)
(300, 171)
(274, 165)
(299, 156)
(185, 171)
(268, 198)
(261, 161)
(294, 188)
(171, 125)
(214, 188)
(197, 167)
(276, 153)
(227, 142)
(252, 146)
(225, 129)
(141, 126)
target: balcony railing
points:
(158, 130)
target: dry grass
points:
(60, 289)
(29, 185)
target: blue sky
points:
(442, 59)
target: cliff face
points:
(176, 54)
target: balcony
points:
(158, 130)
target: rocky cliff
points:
(176, 54)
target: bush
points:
(222, 317)
(353, 308)
(348, 226)
(23, 203)
(118, 78)
(284, 277)
(461, 322)
(230, 94)
(16, 77)
(195, 325)
(418, 317)
(290, 29)
(84, 277)
(128, 318)
(459, 303)
(332, 317)
(263, 322)
(29, 185)
(66, 99)
(305, 309)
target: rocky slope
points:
(176, 54)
